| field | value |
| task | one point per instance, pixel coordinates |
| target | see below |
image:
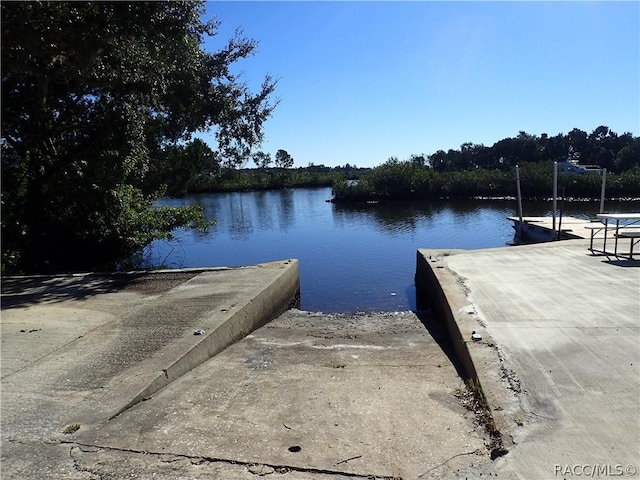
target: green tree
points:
(418, 160)
(578, 141)
(283, 159)
(262, 160)
(629, 156)
(92, 94)
(183, 168)
(438, 161)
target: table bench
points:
(626, 226)
(597, 227)
(633, 234)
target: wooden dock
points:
(540, 229)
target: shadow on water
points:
(391, 216)
(438, 332)
(410, 294)
(19, 292)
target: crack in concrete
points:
(508, 375)
(77, 467)
(531, 412)
(475, 452)
(198, 460)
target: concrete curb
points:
(244, 319)
(440, 288)
(446, 295)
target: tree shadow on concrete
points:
(20, 292)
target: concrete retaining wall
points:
(437, 289)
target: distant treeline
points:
(472, 170)
(254, 179)
(195, 168)
(603, 147)
(479, 171)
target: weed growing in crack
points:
(473, 399)
(72, 428)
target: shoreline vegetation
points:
(402, 180)
(397, 180)
(471, 172)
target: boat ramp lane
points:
(551, 334)
(104, 342)
(309, 395)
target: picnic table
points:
(627, 225)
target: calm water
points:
(352, 258)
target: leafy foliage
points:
(98, 98)
(275, 178)
(181, 168)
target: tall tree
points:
(91, 91)
(578, 141)
(283, 159)
(262, 160)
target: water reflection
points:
(240, 223)
(585, 209)
(263, 206)
(387, 217)
(242, 215)
(287, 213)
(410, 217)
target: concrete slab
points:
(560, 357)
(364, 396)
(315, 396)
(308, 396)
(82, 348)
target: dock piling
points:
(519, 194)
(555, 197)
(604, 181)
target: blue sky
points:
(360, 82)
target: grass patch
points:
(73, 428)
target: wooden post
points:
(604, 181)
(558, 237)
(519, 194)
(555, 197)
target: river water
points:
(352, 258)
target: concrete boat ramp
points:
(559, 355)
(212, 374)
